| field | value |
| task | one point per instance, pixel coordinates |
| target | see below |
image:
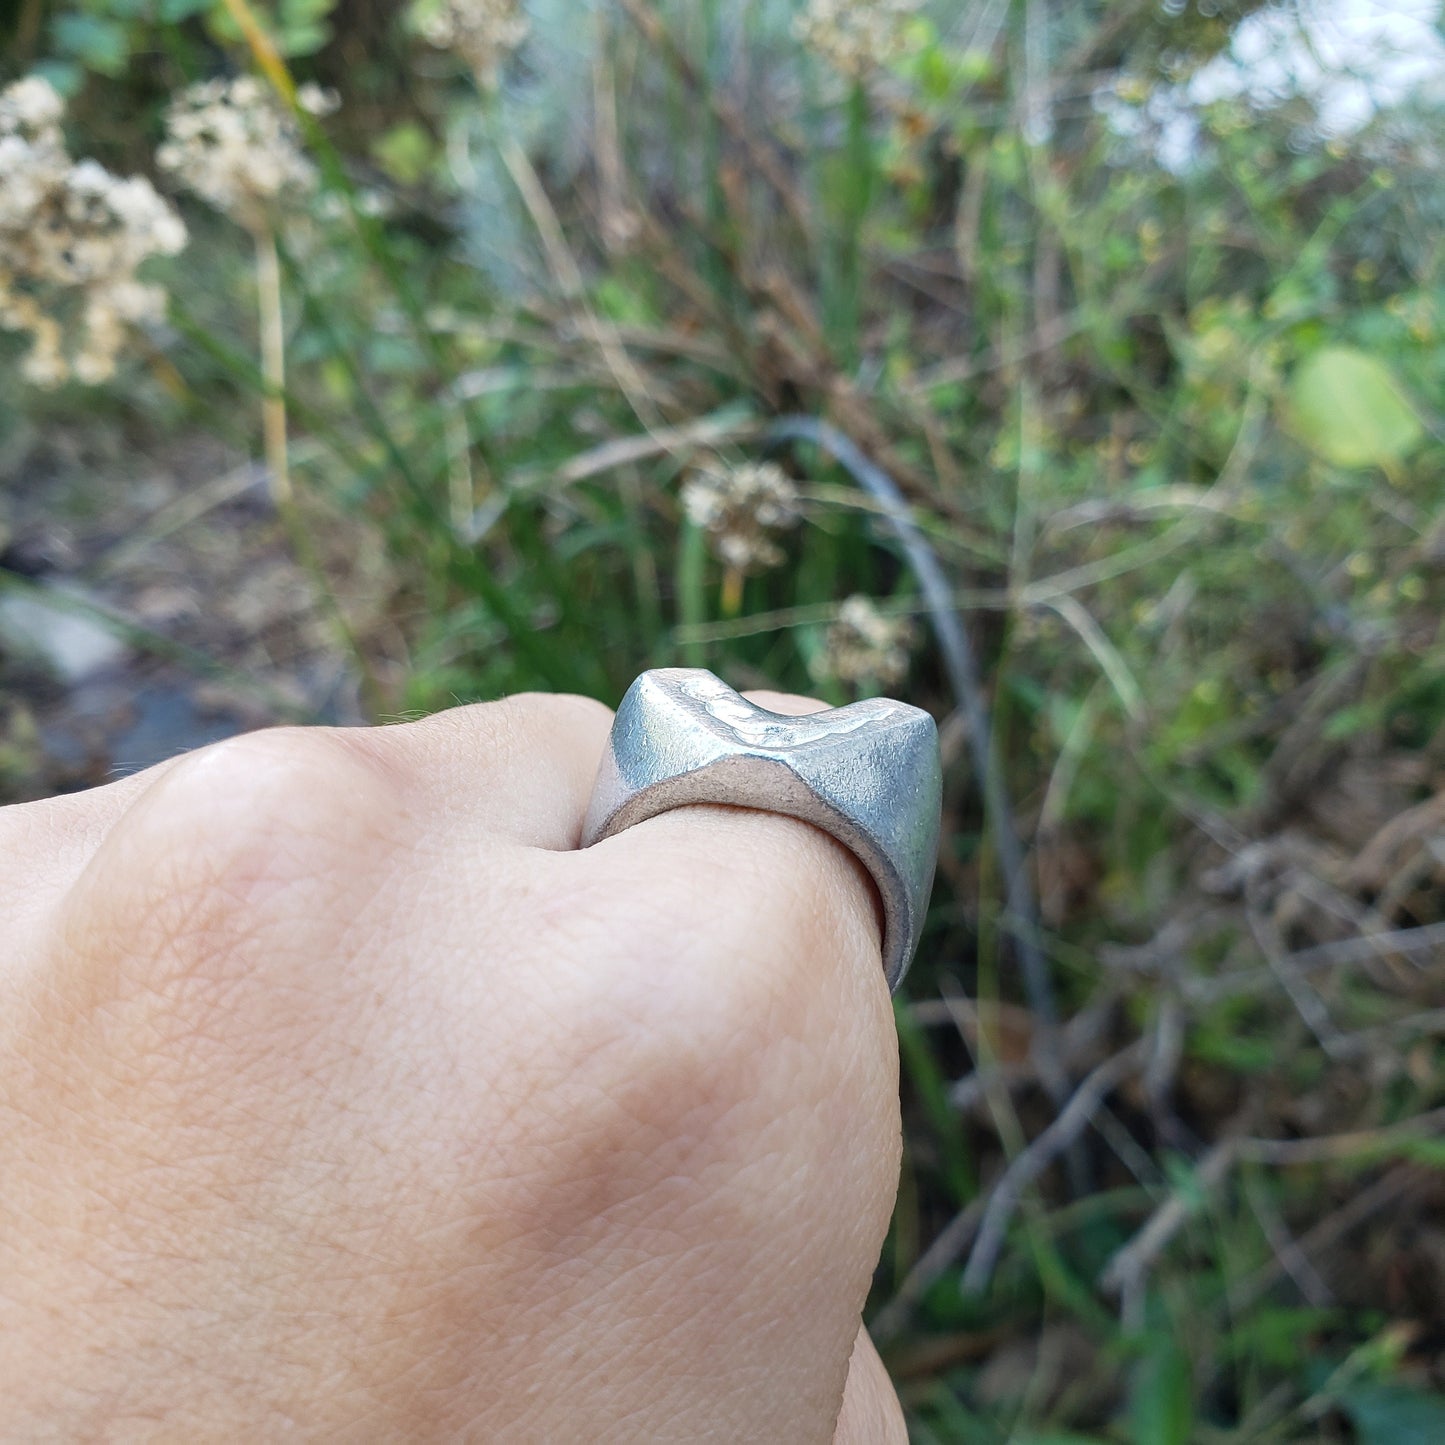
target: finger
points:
(742, 999)
(794, 705)
(521, 768)
(791, 704)
(839, 879)
(871, 1414)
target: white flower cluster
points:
(483, 32)
(856, 36)
(237, 148)
(740, 508)
(72, 237)
(865, 647)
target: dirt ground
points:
(150, 612)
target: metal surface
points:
(867, 774)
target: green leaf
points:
(1429, 1152)
(172, 12)
(99, 44)
(1350, 721)
(1390, 1415)
(301, 27)
(1055, 1437)
(405, 152)
(66, 76)
(1161, 1400)
(1346, 406)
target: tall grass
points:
(1170, 1025)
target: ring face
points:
(867, 774)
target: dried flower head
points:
(865, 647)
(72, 237)
(483, 32)
(856, 36)
(741, 508)
(235, 145)
(31, 108)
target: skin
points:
(343, 1097)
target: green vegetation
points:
(1172, 432)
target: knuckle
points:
(268, 800)
(234, 840)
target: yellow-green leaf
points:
(1346, 406)
(405, 152)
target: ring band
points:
(867, 774)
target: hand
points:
(341, 1095)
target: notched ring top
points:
(867, 774)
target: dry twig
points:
(1026, 1167)
(935, 1261)
(760, 156)
(1127, 1272)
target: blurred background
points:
(1076, 371)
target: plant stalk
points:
(273, 368)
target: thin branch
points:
(568, 276)
(1330, 1148)
(1110, 661)
(703, 434)
(962, 368)
(1128, 1271)
(760, 155)
(1368, 1041)
(961, 665)
(932, 1264)
(1375, 945)
(1334, 1227)
(1004, 1200)
(273, 367)
(1308, 1004)
(810, 615)
(1292, 1259)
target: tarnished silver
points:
(868, 774)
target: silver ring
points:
(868, 774)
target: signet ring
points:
(867, 774)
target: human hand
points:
(340, 1095)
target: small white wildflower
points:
(31, 105)
(72, 237)
(33, 159)
(741, 508)
(865, 647)
(856, 36)
(317, 100)
(237, 148)
(483, 32)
